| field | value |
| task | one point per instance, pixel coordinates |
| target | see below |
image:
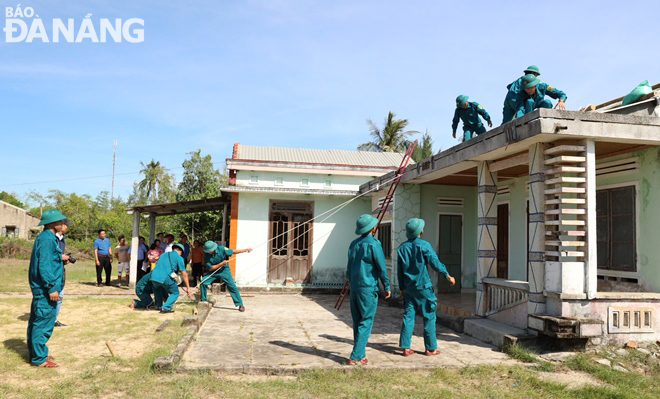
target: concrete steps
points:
(492, 332)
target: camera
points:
(71, 258)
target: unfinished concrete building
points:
(549, 223)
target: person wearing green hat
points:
(216, 261)
(469, 113)
(143, 289)
(416, 288)
(513, 96)
(163, 282)
(366, 265)
(533, 95)
(45, 278)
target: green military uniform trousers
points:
(40, 328)
(425, 303)
(364, 303)
(223, 275)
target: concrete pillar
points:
(591, 266)
(135, 243)
(536, 251)
(224, 225)
(486, 232)
(152, 229)
(406, 206)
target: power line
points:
(89, 177)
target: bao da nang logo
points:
(23, 25)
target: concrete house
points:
(17, 222)
(549, 223)
(289, 205)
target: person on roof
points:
(366, 265)
(533, 95)
(469, 113)
(513, 95)
(416, 288)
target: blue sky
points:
(290, 73)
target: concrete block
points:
(490, 331)
(588, 330)
(164, 363)
(535, 323)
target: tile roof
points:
(312, 156)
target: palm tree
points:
(392, 138)
(155, 176)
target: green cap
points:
(51, 216)
(530, 80)
(365, 223)
(210, 246)
(180, 246)
(414, 227)
(460, 100)
(532, 69)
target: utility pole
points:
(114, 158)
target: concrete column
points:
(152, 228)
(536, 251)
(135, 243)
(406, 206)
(591, 266)
(224, 225)
(486, 232)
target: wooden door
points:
(290, 245)
(503, 241)
(450, 244)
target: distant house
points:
(286, 204)
(17, 222)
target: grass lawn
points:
(88, 371)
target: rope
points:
(335, 209)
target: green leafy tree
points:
(391, 138)
(11, 199)
(157, 186)
(200, 180)
(424, 148)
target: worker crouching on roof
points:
(416, 289)
(469, 113)
(514, 94)
(163, 282)
(45, 278)
(216, 261)
(533, 96)
(366, 265)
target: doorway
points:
(290, 241)
(450, 250)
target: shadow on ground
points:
(19, 346)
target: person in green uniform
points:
(143, 289)
(469, 113)
(413, 258)
(533, 96)
(366, 265)
(216, 261)
(45, 278)
(513, 95)
(162, 281)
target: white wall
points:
(294, 180)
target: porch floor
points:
(462, 304)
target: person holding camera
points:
(164, 276)
(45, 278)
(62, 244)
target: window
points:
(615, 229)
(304, 182)
(328, 183)
(385, 238)
(279, 181)
(254, 179)
(10, 231)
